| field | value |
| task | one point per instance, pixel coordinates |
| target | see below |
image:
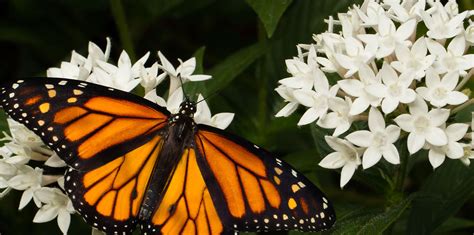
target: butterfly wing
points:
(254, 191)
(86, 124)
(186, 206)
(224, 183)
(112, 139)
(110, 197)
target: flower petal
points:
(64, 220)
(436, 136)
(362, 138)
(438, 117)
(287, 110)
(376, 120)
(332, 161)
(405, 121)
(309, 116)
(346, 173)
(415, 142)
(371, 157)
(391, 154)
(436, 157)
(456, 131)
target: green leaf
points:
(226, 71)
(269, 12)
(380, 222)
(442, 195)
(370, 221)
(199, 55)
(351, 222)
(453, 224)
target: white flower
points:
(316, 101)
(394, 89)
(423, 125)
(203, 115)
(28, 180)
(414, 60)
(287, 94)
(371, 13)
(184, 71)
(152, 96)
(346, 156)
(407, 10)
(440, 25)
(468, 154)
(378, 141)
(440, 92)
(469, 34)
(339, 119)
(453, 149)
(452, 59)
(388, 37)
(303, 75)
(357, 88)
(124, 76)
(79, 67)
(355, 55)
(54, 204)
(150, 78)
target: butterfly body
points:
(132, 163)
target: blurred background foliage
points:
(243, 44)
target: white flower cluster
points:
(23, 148)
(373, 65)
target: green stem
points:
(402, 171)
(122, 27)
(462, 106)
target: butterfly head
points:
(187, 108)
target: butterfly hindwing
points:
(254, 191)
(186, 206)
(109, 197)
(72, 117)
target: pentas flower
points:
(394, 90)
(423, 125)
(21, 145)
(54, 203)
(356, 55)
(304, 75)
(346, 157)
(451, 59)
(440, 25)
(453, 149)
(339, 119)
(316, 101)
(389, 37)
(401, 81)
(358, 88)
(124, 76)
(378, 141)
(413, 60)
(292, 103)
(440, 92)
(182, 74)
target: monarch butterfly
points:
(133, 164)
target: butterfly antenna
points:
(182, 88)
(207, 97)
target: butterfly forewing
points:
(86, 124)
